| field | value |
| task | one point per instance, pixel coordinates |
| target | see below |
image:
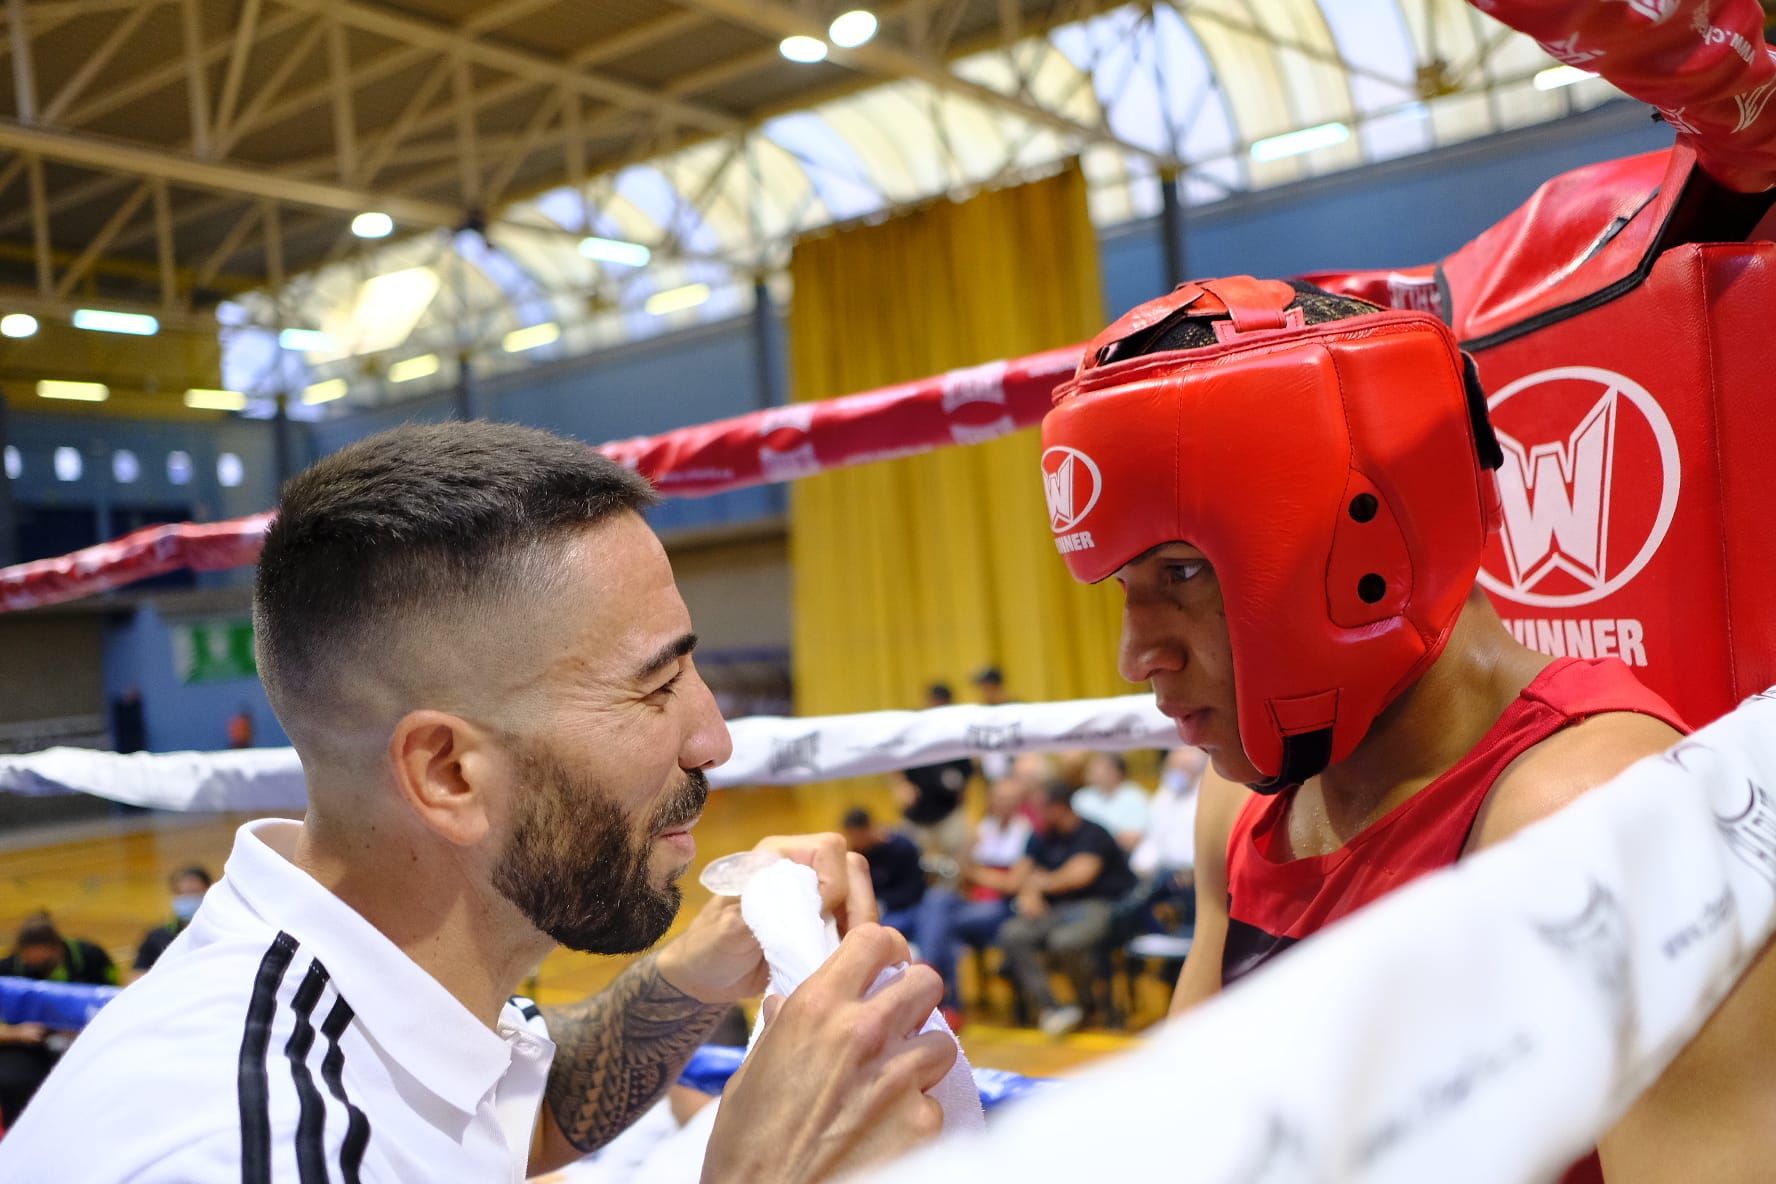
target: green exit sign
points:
(214, 651)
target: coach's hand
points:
(844, 875)
(717, 960)
(837, 1081)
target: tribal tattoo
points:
(617, 1052)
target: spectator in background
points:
(1165, 860)
(1111, 800)
(29, 1051)
(240, 729)
(1072, 874)
(188, 887)
(948, 920)
(895, 867)
(41, 952)
(989, 687)
(129, 725)
(930, 796)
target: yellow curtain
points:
(928, 568)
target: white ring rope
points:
(768, 750)
(1485, 1023)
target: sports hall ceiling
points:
(176, 157)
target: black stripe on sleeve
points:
(251, 1087)
(311, 1118)
(357, 1130)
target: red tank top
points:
(1274, 901)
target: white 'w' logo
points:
(1555, 498)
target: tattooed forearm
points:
(617, 1052)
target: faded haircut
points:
(417, 526)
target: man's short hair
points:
(1058, 791)
(989, 674)
(411, 522)
(941, 692)
(195, 872)
(856, 818)
(38, 930)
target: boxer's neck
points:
(1433, 724)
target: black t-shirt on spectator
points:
(940, 790)
(1050, 851)
(155, 942)
(895, 873)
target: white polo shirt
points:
(282, 1037)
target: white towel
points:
(781, 904)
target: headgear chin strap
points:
(1335, 476)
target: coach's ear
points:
(448, 772)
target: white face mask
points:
(1175, 781)
(185, 906)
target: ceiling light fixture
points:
(1323, 135)
(304, 341)
(199, 399)
(18, 324)
(531, 337)
(615, 250)
(803, 49)
(103, 320)
(325, 392)
(408, 369)
(677, 299)
(78, 392)
(852, 29)
(373, 224)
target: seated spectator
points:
(188, 887)
(895, 869)
(1072, 874)
(989, 686)
(29, 1051)
(42, 953)
(948, 919)
(930, 796)
(1032, 770)
(1165, 859)
(1111, 800)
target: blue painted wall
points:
(1413, 210)
(179, 717)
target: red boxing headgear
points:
(1334, 475)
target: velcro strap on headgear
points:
(1235, 304)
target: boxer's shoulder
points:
(1566, 764)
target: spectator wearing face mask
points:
(188, 887)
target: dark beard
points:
(573, 868)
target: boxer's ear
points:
(447, 771)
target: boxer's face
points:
(609, 770)
(1174, 635)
